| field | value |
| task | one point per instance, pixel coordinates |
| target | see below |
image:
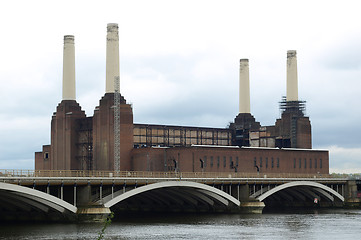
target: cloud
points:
(23, 164)
(179, 64)
(345, 160)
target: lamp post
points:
(257, 169)
(202, 164)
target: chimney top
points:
(69, 39)
(112, 27)
(291, 53)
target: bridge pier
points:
(92, 213)
(255, 207)
(89, 211)
(352, 198)
(247, 204)
(83, 195)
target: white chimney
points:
(112, 58)
(69, 68)
(244, 96)
(292, 81)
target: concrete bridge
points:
(78, 195)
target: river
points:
(314, 224)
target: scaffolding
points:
(298, 108)
(85, 143)
(116, 124)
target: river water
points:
(314, 224)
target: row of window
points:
(264, 162)
(314, 163)
(188, 133)
(138, 140)
(219, 162)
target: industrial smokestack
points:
(292, 81)
(69, 68)
(112, 61)
(244, 96)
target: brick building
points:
(109, 140)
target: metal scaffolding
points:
(85, 144)
(116, 124)
(296, 107)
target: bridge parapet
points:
(147, 174)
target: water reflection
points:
(320, 224)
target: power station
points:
(110, 141)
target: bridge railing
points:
(145, 174)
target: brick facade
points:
(103, 134)
(227, 159)
(64, 134)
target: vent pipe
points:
(244, 96)
(69, 68)
(112, 58)
(292, 81)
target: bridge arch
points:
(25, 198)
(322, 189)
(178, 192)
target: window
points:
(278, 162)
(46, 156)
(299, 163)
(205, 161)
(315, 163)
(237, 161)
(320, 163)
(231, 164)
(218, 161)
(266, 162)
(310, 163)
(294, 163)
(224, 162)
(211, 161)
(305, 163)
(255, 162)
(260, 162)
(272, 162)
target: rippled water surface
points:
(325, 224)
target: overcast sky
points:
(179, 63)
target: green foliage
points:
(351, 176)
(106, 223)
